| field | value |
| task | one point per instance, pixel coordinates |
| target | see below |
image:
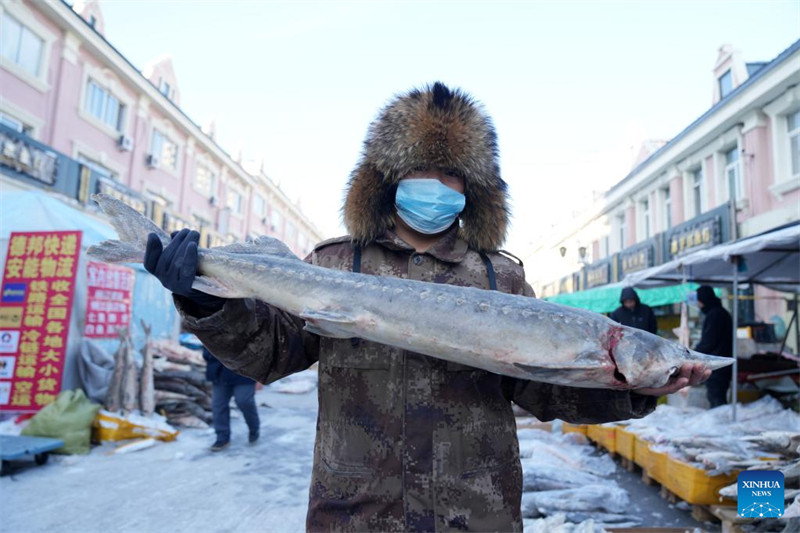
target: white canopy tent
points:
(771, 259)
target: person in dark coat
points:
(634, 313)
(226, 384)
(715, 339)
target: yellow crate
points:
(693, 484)
(626, 442)
(657, 466)
(607, 437)
(641, 451)
(574, 428)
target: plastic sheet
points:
(69, 418)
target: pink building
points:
(65, 86)
(732, 173)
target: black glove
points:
(176, 267)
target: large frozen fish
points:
(507, 334)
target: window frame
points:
(728, 74)
(778, 111)
(156, 129)
(26, 18)
(121, 112)
(240, 210)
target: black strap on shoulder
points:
(355, 341)
(489, 271)
(357, 259)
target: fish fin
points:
(328, 323)
(132, 228)
(116, 252)
(262, 245)
(215, 288)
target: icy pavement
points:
(177, 486)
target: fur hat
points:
(429, 128)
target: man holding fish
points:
(407, 442)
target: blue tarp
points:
(42, 211)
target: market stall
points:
(771, 259)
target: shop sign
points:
(16, 153)
(40, 275)
(695, 237)
(636, 259)
(598, 275)
(108, 301)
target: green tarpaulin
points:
(606, 299)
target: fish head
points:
(646, 360)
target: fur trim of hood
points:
(429, 128)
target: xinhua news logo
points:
(760, 494)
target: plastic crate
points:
(657, 466)
(607, 437)
(693, 484)
(626, 442)
(574, 428)
(641, 452)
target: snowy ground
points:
(183, 486)
(176, 486)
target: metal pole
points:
(735, 371)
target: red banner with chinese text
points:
(35, 308)
(108, 302)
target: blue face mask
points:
(427, 205)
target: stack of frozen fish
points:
(764, 434)
(566, 485)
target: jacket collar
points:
(449, 248)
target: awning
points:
(771, 259)
(605, 299)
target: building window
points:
(291, 233)
(667, 209)
(793, 123)
(102, 171)
(733, 174)
(725, 84)
(277, 221)
(606, 246)
(16, 125)
(646, 216)
(698, 191)
(20, 45)
(164, 88)
(103, 105)
(205, 181)
(621, 230)
(235, 200)
(259, 205)
(166, 150)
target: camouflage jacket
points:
(406, 442)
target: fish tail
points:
(132, 228)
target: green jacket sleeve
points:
(254, 339)
(580, 405)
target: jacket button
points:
(417, 260)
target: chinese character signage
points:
(597, 275)
(108, 303)
(35, 308)
(695, 237)
(636, 258)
